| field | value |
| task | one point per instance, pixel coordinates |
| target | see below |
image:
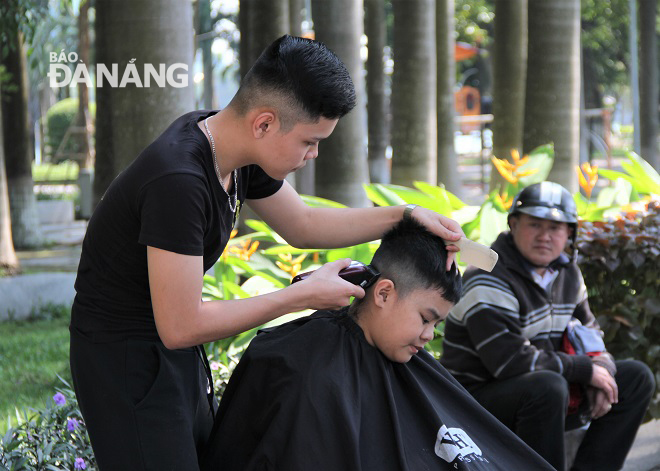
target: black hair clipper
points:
(357, 273)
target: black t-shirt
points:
(169, 198)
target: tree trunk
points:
(414, 141)
(648, 82)
(19, 152)
(552, 102)
(8, 260)
(304, 178)
(509, 72)
(245, 7)
(342, 168)
(83, 118)
(447, 172)
(377, 100)
(130, 118)
(295, 17)
(205, 25)
(269, 19)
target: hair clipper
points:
(357, 273)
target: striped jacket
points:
(506, 324)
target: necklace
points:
(217, 171)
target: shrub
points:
(59, 117)
(619, 260)
(53, 438)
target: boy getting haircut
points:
(354, 389)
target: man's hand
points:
(600, 405)
(442, 226)
(326, 290)
(603, 381)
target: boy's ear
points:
(263, 123)
(382, 292)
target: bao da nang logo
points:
(61, 75)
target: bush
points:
(59, 117)
(53, 438)
(619, 260)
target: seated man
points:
(354, 389)
(504, 341)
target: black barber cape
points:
(313, 395)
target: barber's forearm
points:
(221, 319)
(343, 227)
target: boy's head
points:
(299, 77)
(414, 292)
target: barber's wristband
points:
(407, 213)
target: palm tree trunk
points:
(83, 118)
(304, 178)
(26, 228)
(414, 142)
(552, 102)
(126, 30)
(509, 72)
(8, 260)
(377, 101)
(205, 25)
(648, 82)
(341, 168)
(447, 171)
(269, 19)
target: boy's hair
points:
(414, 258)
(301, 78)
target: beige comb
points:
(476, 254)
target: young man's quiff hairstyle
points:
(301, 78)
(414, 258)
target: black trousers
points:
(145, 407)
(534, 407)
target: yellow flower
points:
(225, 252)
(292, 266)
(504, 200)
(588, 179)
(501, 166)
(511, 171)
(245, 249)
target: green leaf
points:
(374, 195)
(439, 192)
(491, 224)
(646, 178)
(387, 192)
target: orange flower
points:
(504, 200)
(245, 249)
(292, 265)
(225, 252)
(588, 179)
(511, 171)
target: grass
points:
(43, 173)
(32, 354)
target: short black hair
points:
(301, 78)
(414, 258)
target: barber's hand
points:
(603, 380)
(327, 290)
(600, 405)
(442, 226)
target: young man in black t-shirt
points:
(138, 318)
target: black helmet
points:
(546, 200)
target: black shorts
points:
(145, 407)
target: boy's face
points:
(288, 151)
(402, 326)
